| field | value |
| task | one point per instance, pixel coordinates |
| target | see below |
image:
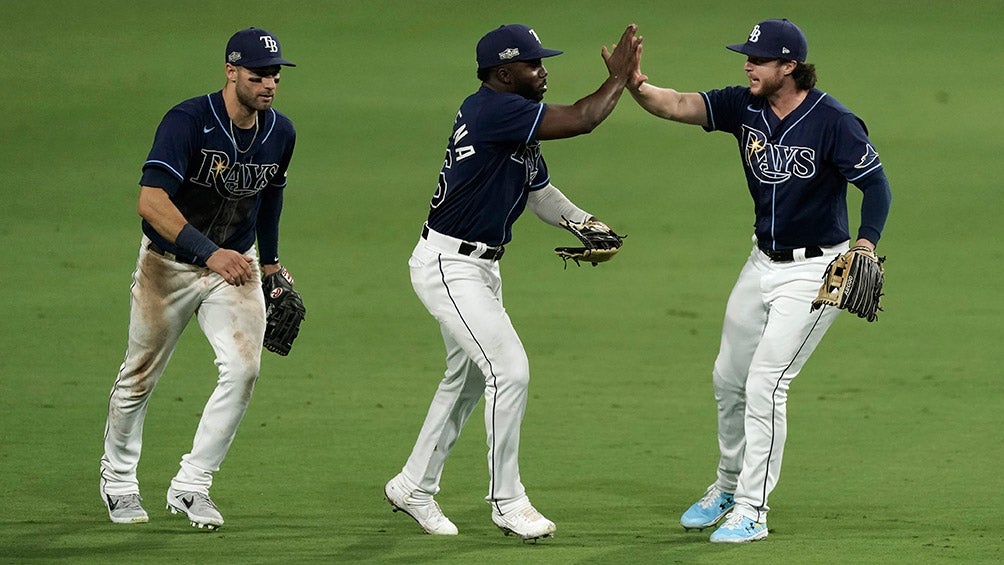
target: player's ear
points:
(503, 73)
(231, 73)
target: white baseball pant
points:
(484, 357)
(768, 334)
(165, 296)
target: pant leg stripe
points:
(491, 370)
(770, 452)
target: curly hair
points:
(805, 76)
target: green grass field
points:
(894, 450)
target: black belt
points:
(787, 255)
(465, 248)
(154, 248)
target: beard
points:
(248, 98)
(530, 92)
(766, 87)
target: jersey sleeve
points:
(542, 177)
(725, 107)
(875, 203)
(174, 141)
(854, 154)
(270, 208)
(160, 178)
(513, 119)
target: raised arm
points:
(683, 107)
(562, 121)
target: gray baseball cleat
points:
(420, 506)
(197, 506)
(528, 524)
(124, 508)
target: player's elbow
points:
(588, 124)
(570, 121)
(145, 208)
(150, 201)
(590, 118)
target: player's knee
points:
(766, 393)
(240, 372)
(515, 373)
(727, 383)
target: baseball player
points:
(493, 170)
(799, 148)
(212, 184)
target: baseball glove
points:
(284, 311)
(599, 242)
(853, 281)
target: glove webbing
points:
(866, 275)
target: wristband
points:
(193, 241)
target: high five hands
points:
(624, 62)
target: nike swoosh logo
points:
(188, 503)
(207, 129)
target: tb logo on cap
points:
(755, 34)
(270, 43)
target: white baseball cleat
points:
(197, 506)
(420, 506)
(527, 524)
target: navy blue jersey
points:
(492, 162)
(797, 169)
(216, 182)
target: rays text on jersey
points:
(237, 180)
(773, 163)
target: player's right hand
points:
(234, 267)
(624, 58)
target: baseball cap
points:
(255, 48)
(774, 39)
(508, 43)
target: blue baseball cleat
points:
(708, 510)
(739, 529)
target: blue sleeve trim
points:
(707, 109)
(271, 126)
(539, 185)
(866, 173)
(536, 124)
(169, 168)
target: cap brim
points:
(540, 53)
(753, 51)
(271, 62)
(741, 48)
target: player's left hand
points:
(853, 281)
(284, 311)
(600, 243)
